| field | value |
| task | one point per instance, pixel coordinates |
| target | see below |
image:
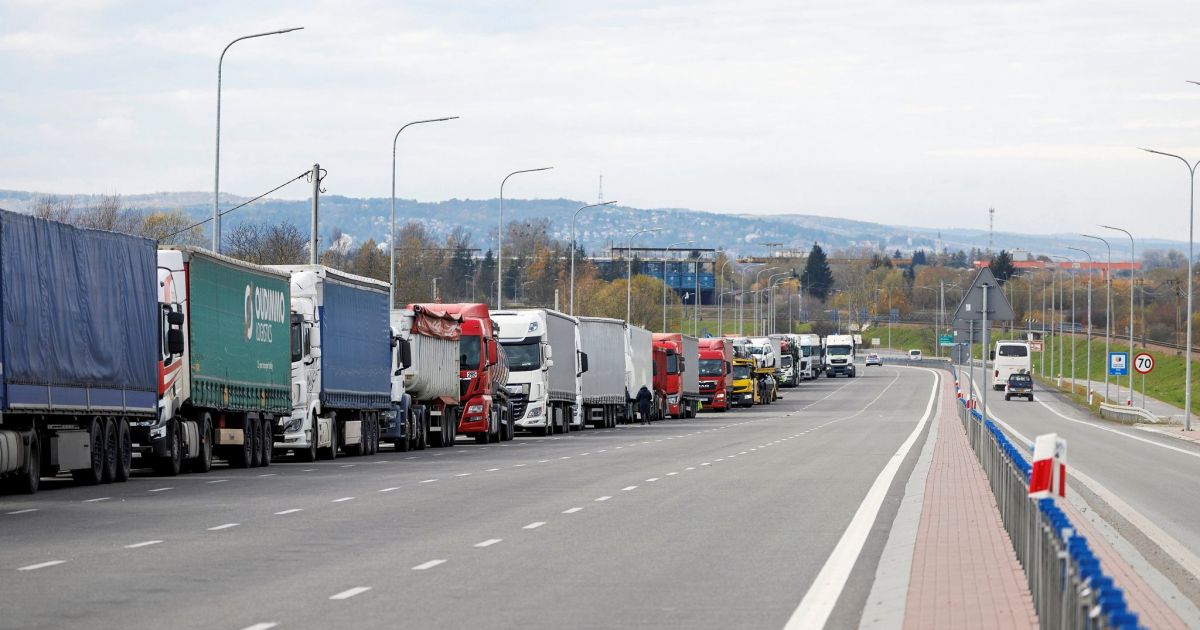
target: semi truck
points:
(226, 390)
(839, 355)
(544, 368)
(639, 367)
(716, 363)
(424, 376)
(341, 363)
(81, 331)
(676, 373)
(810, 346)
(744, 383)
(482, 373)
(605, 400)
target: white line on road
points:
(97, 499)
(429, 481)
(690, 468)
(491, 470)
(286, 512)
(309, 470)
(463, 475)
(534, 525)
(346, 466)
(267, 475)
(160, 489)
(652, 479)
(342, 499)
(390, 489)
(351, 592)
(25, 511)
(143, 544)
(266, 625)
(565, 457)
(826, 589)
(518, 465)
(672, 474)
(572, 510)
(488, 543)
(543, 461)
(427, 565)
(225, 526)
(628, 488)
(603, 498)
(41, 565)
(220, 480)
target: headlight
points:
(534, 412)
(673, 399)
(475, 409)
(158, 432)
(291, 425)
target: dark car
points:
(1019, 384)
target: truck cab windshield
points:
(468, 352)
(838, 350)
(712, 367)
(741, 371)
(523, 357)
(672, 364)
(1013, 350)
(806, 350)
(786, 361)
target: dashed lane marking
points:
(572, 510)
(41, 565)
(225, 526)
(429, 481)
(350, 592)
(603, 498)
(146, 543)
(652, 479)
(488, 543)
(463, 475)
(265, 625)
(628, 488)
(491, 470)
(534, 525)
(268, 475)
(25, 511)
(97, 499)
(427, 565)
(390, 489)
(160, 489)
(286, 512)
(342, 500)
(222, 480)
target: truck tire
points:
(510, 431)
(451, 430)
(91, 476)
(31, 479)
(268, 442)
(402, 445)
(422, 437)
(373, 444)
(256, 445)
(203, 461)
(309, 454)
(243, 456)
(359, 448)
(169, 466)
(330, 452)
(109, 472)
(124, 461)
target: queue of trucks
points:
(117, 354)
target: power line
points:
(238, 207)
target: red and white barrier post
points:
(1049, 474)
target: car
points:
(1019, 384)
(914, 355)
(873, 359)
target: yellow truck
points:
(745, 383)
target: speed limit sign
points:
(1143, 363)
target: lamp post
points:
(1132, 259)
(720, 308)
(392, 224)
(500, 235)
(216, 239)
(771, 282)
(435, 293)
(1062, 305)
(720, 294)
(1073, 265)
(742, 302)
(664, 289)
(629, 271)
(573, 219)
(758, 298)
(1107, 315)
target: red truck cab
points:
(669, 369)
(716, 358)
(483, 375)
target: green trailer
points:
(224, 393)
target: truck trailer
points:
(341, 363)
(639, 367)
(424, 376)
(716, 366)
(544, 368)
(605, 399)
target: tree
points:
(919, 257)
(1002, 266)
(818, 277)
(267, 244)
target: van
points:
(1009, 357)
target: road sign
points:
(876, 342)
(1118, 363)
(1143, 363)
(945, 340)
(971, 307)
(1035, 345)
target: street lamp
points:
(500, 235)
(573, 218)
(664, 290)
(1187, 363)
(1107, 315)
(1061, 310)
(720, 309)
(742, 302)
(216, 239)
(435, 293)
(392, 225)
(1091, 264)
(1132, 259)
(770, 300)
(758, 297)
(629, 271)
(720, 294)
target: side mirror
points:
(728, 368)
(549, 364)
(175, 318)
(175, 340)
(583, 362)
(992, 355)
(549, 354)
(405, 354)
(492, 357)
(314, 337)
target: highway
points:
(718, 522)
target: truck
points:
(482, 374)
(810, 346)
(341, 363)
(232, 383)
(544, 368)
(744, 383)
(716, 364)
(605, 399)
(1010, 357)
(81, 331)
(790, 361)
(639, 367)
(677, 373)
(424, 378)
(839, 355)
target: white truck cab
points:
(839, 355)
(545, 368)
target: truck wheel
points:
(401, 445)
(256, 445)
(268, 442)
(421, 423)
(109, 472)
(169, 466)
(330, 452)
(451, 430)
(204, 462)
(91, 476)
(28, 482)
(310, 454)
(510, 431)
(243, 456)
(124, 461)
(361, 447)
(374, 443)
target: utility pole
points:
(316, 206)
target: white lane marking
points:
(720, 459)
(286, 512)
(390, 489)
(488, 543)
(587, 453)
(267, 475)
(413, 457)
(826, 589)
(265, 625)
(342, 499)
(382, 461)
(534, 525)
(309, 470)
(652, 479)
(25, 511)
(565, 457)
(706, 464)
(742, 453)
(429, 481)
(427, 565)
(572, 510)
(41, 565)
(672, 474)
(543, 461)
(491, 470)
(350, 592)
(603, 498)
(628, 488)
(518, 465)
(690, 468)
(463, 475)
(225, 526)
(222, 480)
(97, 499)
(143, 544)
(346, 466)
(160, 489)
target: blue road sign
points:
(1118, 363)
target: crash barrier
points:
(1069, 588)
(1122, 413)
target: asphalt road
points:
(717, 522)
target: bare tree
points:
(267, 244)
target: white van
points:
(1009, 357)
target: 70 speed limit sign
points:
(1143, 363)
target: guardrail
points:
(1124, 413)
(1070, 589)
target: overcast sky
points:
(919, 113)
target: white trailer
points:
(424, 376)
(604, 343)
(639, 366)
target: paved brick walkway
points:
(964, 571)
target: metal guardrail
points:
(1069, 588)
(1124, 413)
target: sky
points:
(922, 113)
